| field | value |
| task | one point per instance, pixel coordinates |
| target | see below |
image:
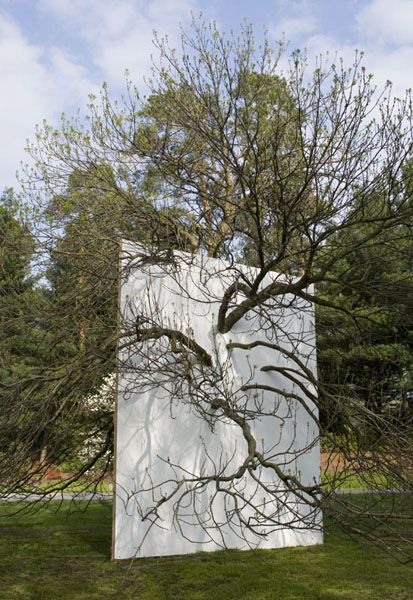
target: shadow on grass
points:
(65, 554)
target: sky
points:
(53, 53)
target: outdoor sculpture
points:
(217, 433)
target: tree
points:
(373, 352)
(230, 157)
(19, 344)
(16, 249)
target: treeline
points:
(228, 157)
(58, 307)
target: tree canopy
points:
(301, 172)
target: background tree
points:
(298, 173)
(16, 247)
(370, 347)
(21, 335)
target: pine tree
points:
(368, 346)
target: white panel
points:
(161, 439)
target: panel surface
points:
(169, 437)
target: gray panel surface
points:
(165, 438)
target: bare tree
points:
(288, 172)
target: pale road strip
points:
(102, 497)
(57, 496)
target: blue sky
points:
(54, 52)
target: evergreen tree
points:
(368, 346)
(21, 338)
(16, 286)
(228, 158)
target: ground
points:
(65, 554)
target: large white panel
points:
(168, 435)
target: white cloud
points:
(37, 83)
(71, 81)
(64, 8)
(41, 80)
(328, 47)
(387, 22)
(382, 31)
(293, 27)
(119, 33)
(100, 39)
(385, 64)
(387, 29)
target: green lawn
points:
(101, 487)
(356, 481)
(56, 556)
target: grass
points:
(104, 486)
(60, 555)
(355, 481)
(342, 481)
